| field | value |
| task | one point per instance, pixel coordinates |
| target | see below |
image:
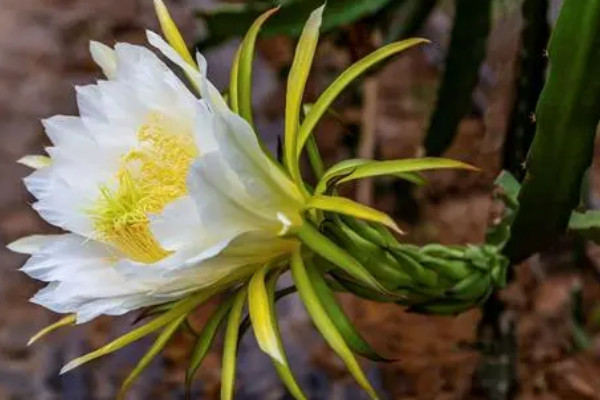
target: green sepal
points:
(230, 345)
(325, 101)
(182, 307)
(283, 369)
(415, 270)
(156, 348)
(298, 76)
(246, 58)
(349, 170)
(205, 341)
(343, 324)
(324, 324)
(327, 249)
(342, 205)
(65, 321)
(375, 259)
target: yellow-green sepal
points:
(324, 247)
(172, 33)
(323, 322)
(261, 304)
(349, 170)
(246, 59)
(65, 321)
(230, 345)
(343, 324)
(297, 78)
(158, 345)
(35, 161)
(325, 101)
(234, 83)
(342, 205)
(205, 340)
(261, 316)
(182, 307)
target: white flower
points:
(162, 193)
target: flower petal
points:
(31, 244)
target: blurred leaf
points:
(230, 345)
(466, 53)
(586, 224)
(410, 18)
(567, 118)
(323, 323)
(499, 232)
(230, 22)
(326, 99)
(156, 348)
(581, 339)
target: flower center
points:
(150, 177)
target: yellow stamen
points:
(151, 176)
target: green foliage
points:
(508, 192)
(230, 22)
(567, 117)
(586, 224)
(410, 21)
(465, 56)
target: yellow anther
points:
(151, 176)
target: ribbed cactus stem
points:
(567, 117)
(530, 80)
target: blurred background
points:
(539, 338)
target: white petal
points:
(207, 89)
(265, 182)
(178, 225)
(83, 278)
(225, 209)
(198, 77)
(31, 244)
(65, 130)
(105, 57)
(204, 128)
